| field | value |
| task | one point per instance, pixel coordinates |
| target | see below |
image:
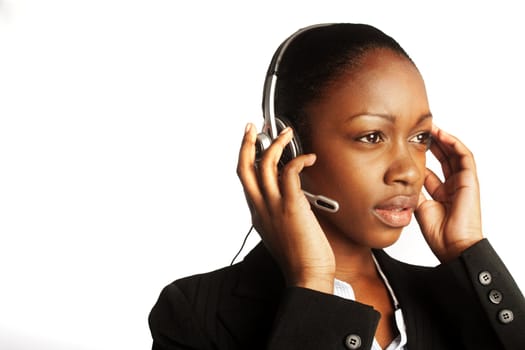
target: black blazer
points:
(469, 303)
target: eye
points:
(373, 137)
(424, 138)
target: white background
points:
(120, 123)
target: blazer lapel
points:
(407, 282)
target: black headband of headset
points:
(270, 82)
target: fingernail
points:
(312, 157)
(285, 130)
(248, 128)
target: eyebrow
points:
(389, 117)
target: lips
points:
(396, 211)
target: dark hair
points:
(315, 58)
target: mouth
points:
(396, 211)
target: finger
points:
(438, 150)
(247, 172)
(434, 186)
(256, 216)
(460, 156)
(290, 177)
(268, 170)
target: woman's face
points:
(370, 132)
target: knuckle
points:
(288, 170)
(268, 161)
(239, 170)
(292, 167)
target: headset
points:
(274, 124)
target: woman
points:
(348, 108)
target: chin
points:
(385, 238)
(365, 234)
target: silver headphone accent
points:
(273, 125)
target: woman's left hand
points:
(451, 220)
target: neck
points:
(354, 262)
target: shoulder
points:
(256, 275)
(209, 307)
(194, 295)
(192, 287)
(183, 306)
(202, 294)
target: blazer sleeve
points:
(306, 320)
(310, 320)
(483, 286)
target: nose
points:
(404, 166)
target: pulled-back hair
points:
(315, 58)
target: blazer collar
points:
(406, 282)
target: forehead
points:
(383, 82)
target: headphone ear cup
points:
(293, 149)
(262, 143)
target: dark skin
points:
(376, 119)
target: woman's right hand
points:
(282, 215)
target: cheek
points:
(339, 174)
